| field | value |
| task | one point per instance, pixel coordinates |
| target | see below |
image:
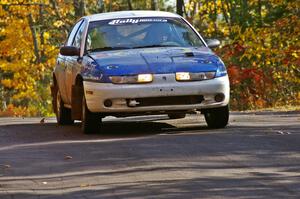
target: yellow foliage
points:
(58, 23)
(6, 82)
(263, 58)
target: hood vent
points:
(189, 54)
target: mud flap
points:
(53, 94)
(77, 94)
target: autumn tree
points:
(260, 46)
(30, 36)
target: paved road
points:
(256, 156)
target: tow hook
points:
(132, 103)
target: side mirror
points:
(213, 43)
(69, 51)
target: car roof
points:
(131, 14)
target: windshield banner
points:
(135, 21)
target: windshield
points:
(140, 33)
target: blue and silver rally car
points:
(137, 63)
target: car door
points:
(60, 70)
(73, 63)
(59, 73)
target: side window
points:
(72, 33)
(78, 37)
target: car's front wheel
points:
(63, 114)
(217, 117)
(90, 122)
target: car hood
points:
(155, 60)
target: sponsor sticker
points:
(135, 21)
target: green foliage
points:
(30, 36)
(260, 46)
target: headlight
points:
(221, 71)
(141, 78)
(185, 76)
(144, 78)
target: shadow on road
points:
(111, 129)
(151, 159)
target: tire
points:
(176, 115)
(217, 117)
(90, 122)
(63, 114)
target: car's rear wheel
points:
(90, 122)
(63, 114)
(217, 117)
(176, 115)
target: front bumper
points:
(164, 86)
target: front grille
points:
(171, 100)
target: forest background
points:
(260, 46)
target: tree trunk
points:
(231, 11)
(226, 17)
(215, 18)
(101, 6)
(79, 8)
(110, 6)
(129, 5)
(41, 12)
(153, 4)
(260, 21)
(179, 5)
(246, 17)
(34, 39)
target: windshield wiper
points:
(156, 45)
(107, 48)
